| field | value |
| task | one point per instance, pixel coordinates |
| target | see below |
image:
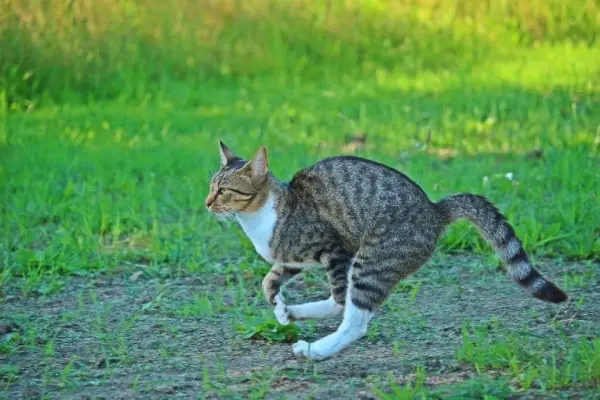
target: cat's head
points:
(238, 185)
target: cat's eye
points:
(220, 191)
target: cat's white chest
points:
(259, 227)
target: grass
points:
(114, 275)
(91, 188)
(579, 361)
(66, 51)
(109, 332)
(482, 387)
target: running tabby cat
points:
(367, 224)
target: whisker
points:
(222, 221)
(230, 218)
(229, 215)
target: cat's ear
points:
(259, 165)
(226, 155)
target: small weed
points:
(480, 387)
(49, 349)
(409, 391)
(205, 380)
(113, 339)
(8, 372)
(9, 342)
(31, 336)
(65, 376)
(397, 348)
(153, 304)
(580, 301)
(579, 280)
(135, 384)
(414, 291)
(269, 330)
(407, 286)
(32, 282)
(201, 305)
(260, 383)
(49, 286)
(373, 331)
(6, 276)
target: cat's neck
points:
(273, 193)
(260, 223)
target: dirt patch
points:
(117, 337)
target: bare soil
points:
(124, 335)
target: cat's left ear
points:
(259, 165)
(227, 156)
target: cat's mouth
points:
(221, 213)
(213, 210)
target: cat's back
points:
(352, 195)
(351, 178)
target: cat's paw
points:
(300, 349)
(281, 311)
(306, 351)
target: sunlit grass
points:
(89, 188)
(117, 172)
(73, 51)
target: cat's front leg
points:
(277, 277)
(336, 261)
(272, 283)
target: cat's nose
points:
(209, 200)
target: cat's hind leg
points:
(373, 274)
(353, 327)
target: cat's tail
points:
(494, 227)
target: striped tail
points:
(497, 231)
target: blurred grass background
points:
(110, 111)
(63, 50)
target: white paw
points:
(303, 350)
(300, 349)
(281, 311)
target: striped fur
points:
(368, 224)
(497, 231)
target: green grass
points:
(481, 387)
(519, 361)
(269, 330)
(113, 330)
(93, 187)
(523, 357)
(73, 51)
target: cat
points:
(368, 224)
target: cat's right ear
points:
(259, 165)
(226, 155)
